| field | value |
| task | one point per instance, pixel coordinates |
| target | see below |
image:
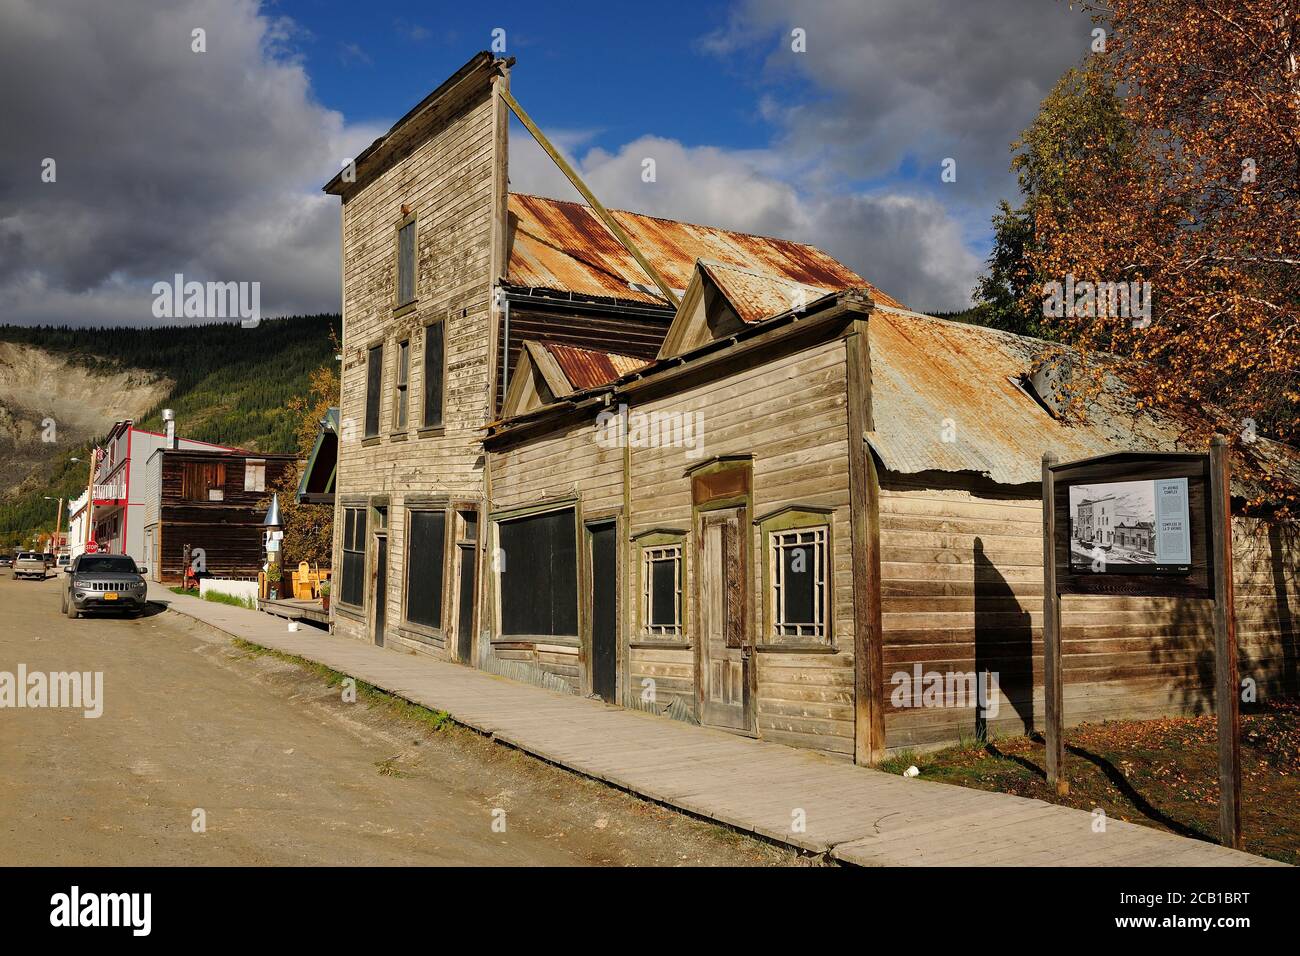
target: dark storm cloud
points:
(168, 160)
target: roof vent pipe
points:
(169, 419)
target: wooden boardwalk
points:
(295, 609)
(795, 797)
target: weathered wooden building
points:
(759, 493)
(208, 500)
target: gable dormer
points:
(722, 299)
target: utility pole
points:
(58, 520)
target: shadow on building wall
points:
(1004, 642)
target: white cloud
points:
(889, 90)
(908, 245)
(909, 81)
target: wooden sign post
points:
(1226, 683)
(1185, 552)
(1052, 636)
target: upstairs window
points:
(433, 373)
(374, 386)
(400, 386)
(406, 263)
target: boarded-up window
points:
(433, 365)
(539, 575)
(403, 378)
(203, 480)
(254, 475)
(426, 547)
(354, 556)
(374, 386)
(406, 263)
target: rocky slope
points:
(50, 405)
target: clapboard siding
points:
(569, 465)
(790, 414)
(962, 590)
(447, 173)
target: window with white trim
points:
(800, 599)
(661, 590)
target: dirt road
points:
(283, 770)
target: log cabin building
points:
(757, 502)
(209, 500)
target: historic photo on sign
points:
(1124, 525)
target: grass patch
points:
(1159, 773)
(397, 707)
(217, 597)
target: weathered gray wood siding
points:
(569, 465)
(447, 178)
(962, 571)
(790, 414)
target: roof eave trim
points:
(373, 152)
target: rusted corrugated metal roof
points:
(589, 368)
(946, 397)
(561, 245)
(756, 296)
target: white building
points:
(78, 523)
(1095, 521)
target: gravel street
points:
(283, 770)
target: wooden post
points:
(864, 500)
(1225, 647)
(1052, 636)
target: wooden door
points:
(604, 610)
(465, 582)
(380, 595)
(723, 650)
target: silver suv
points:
(103, 582)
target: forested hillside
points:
(231, 385)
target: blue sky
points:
(618, 69)
(210, 164)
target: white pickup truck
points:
(29, 564)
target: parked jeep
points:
(103, 582)
(29, 564)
